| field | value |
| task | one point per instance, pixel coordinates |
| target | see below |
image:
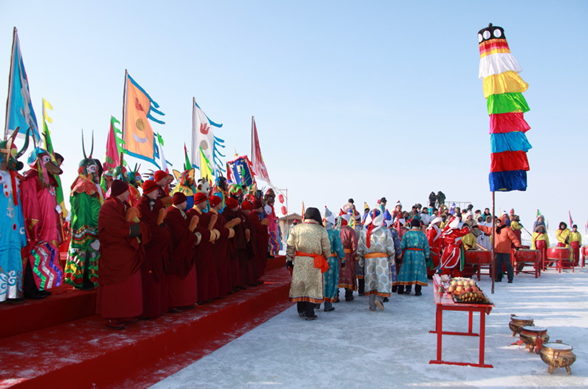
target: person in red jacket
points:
(435, 242)
(452, 256)
(505, 238)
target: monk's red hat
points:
(246, 206)
(214, 201)
(159, 175)
(199, 197)
(256, 204)
(118, 187)
(149, 186)
(179, 198)
(232, 203)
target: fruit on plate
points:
(472, 297)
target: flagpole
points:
(8, 101)
(252, 123)
(193, 124)
(493, 260)
(124, 121)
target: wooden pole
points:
(10, 82)
(252, 121)
(124, 121)
(493, 272)
(195, 160)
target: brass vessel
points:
(518, 322)
(534, 337)
(558, 355)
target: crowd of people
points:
(381, 252)
(147, 248)
(152, 250)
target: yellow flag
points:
(205, 171)
(46, 106)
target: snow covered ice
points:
(352, 347)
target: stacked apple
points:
(467, 290)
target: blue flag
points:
(19, 107)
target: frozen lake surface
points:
(352, 347)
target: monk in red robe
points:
(205, 261)
(246, 257)
(221, 247)
(238, 245)
(122, 238)
(181, 274)
(157, 253)
(163, 179)
(259, 240)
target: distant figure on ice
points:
(440, 199)
(432, 200)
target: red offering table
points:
(444, 302)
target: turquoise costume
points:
(416, 252)
(331, 276)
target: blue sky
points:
(362, 100)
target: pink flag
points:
(259, 168)
(112, 159)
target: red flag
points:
(112, 159)
(259, 168)
(571, 221)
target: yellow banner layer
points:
(507, 82)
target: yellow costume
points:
(539, 236)
(563, 240)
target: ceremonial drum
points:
(475, 261)
(523, 257)
(584, 254)
(561, 257)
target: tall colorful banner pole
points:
(503, 89)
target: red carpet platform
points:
(44, 345)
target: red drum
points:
(476, 260)
(520, 258)
(561, 256)
(584, 254)
(476, 257)
(558, 253)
